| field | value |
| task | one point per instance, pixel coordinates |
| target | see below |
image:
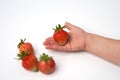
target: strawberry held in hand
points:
(60, 35)
(46, 64)
(29, 61)
(22, 46)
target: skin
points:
(80, 40)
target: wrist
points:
(88, 41)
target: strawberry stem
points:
(21, 42)
(58, 27)
(45, 57)
(22, 55)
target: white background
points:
(34, 20)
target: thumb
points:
(69, 26)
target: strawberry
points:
(46, 64)
(60, 35)
(29, 61)
(22, 46)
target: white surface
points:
(34, 19)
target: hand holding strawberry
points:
(46, 64)
(76, 40)
(60, 35)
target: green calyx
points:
(21, 42)
(58, 27)
(22, 55)
(45, 57)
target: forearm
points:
(106, 48)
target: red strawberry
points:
(46, 64)
(25, 46)
(60, 35)
(29, 61)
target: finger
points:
(56, 47)
(68, 25)
(46, 40)
(49, 41)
